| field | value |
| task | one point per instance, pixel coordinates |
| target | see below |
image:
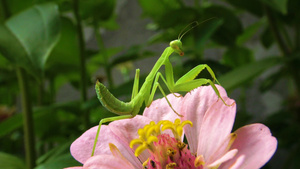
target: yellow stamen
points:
(140, 149)
(181, 145)
(116, 152)
(145, 163)
(134, 142)
(199, 161)
(176, 127)
(171, 152)
(149, 133)
(233, 137)
(171, 166)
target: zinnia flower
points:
(157, 137)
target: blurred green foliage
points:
(43, 38)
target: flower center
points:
(167, 152)
(170, 154)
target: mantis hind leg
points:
(105, 120)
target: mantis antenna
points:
(190, 27)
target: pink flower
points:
(210, 141)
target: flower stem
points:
(27, 118)
(82, 62)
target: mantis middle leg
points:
(156, 85)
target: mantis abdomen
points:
(111, 103)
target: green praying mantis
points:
(146, 93)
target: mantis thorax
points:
(176, 45)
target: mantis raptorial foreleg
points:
(188, 82)
(192, 74)
(135, 88)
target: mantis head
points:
(176, 45)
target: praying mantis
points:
(146, 93)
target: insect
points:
(146, 93)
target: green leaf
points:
(253, 6)
(66, 53)
(177, 17)
(10, 124)
(27, 39)
(133, 53)
(250, 31)
(9, 161)
(16, 121)
(97, 9)
(16, 6)
(231, 27)
(247, 72)
(110, 24)
(278, 5)
(62, 161)
(157, 8)
(237, 56)
(271, 80)
(293, 12)
(205, 31)
(54, 153)
(266, 37)
(99, 60)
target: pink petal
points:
(238, 162)
(256, 143)
(81, 148)
(126, 130)
(229, 155)
(216, 126)
(224, 147)
(160, 109)
(74, 168)
(107, 162)
(194, 107)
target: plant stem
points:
(5, 8)
(27, 118)
(285, 49)
(297, 36)
(52, 89)
(82, 62)
(28, 124)
(102, 47)
(41, 100)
